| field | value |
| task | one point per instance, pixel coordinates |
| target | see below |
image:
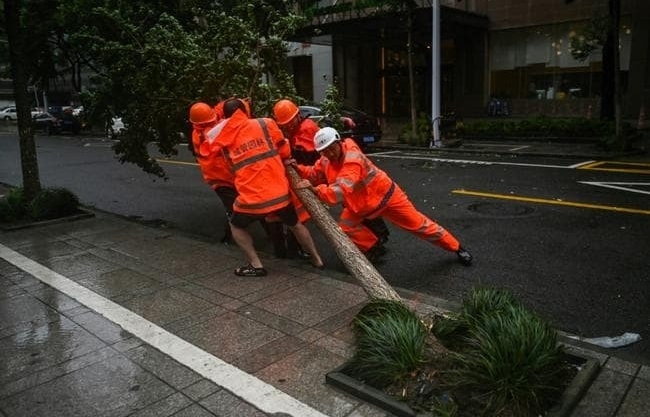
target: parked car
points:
(69, 122)
(46, 123)
(9, 113)
(360, 126)
(51, 124)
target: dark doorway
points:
(302, 76)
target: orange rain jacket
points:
(254, 150)
(356, 182)
(367, 192)
(216, 172)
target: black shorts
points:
(227, 196)
(286, 214)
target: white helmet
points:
(325, 137)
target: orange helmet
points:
(284, 111)
(202, 113)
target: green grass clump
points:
(390, 342)
(13, 206)
(51, 203)
(504, 352)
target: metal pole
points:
(435, 74)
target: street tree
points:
(28, 26)
(153, 59)
(602, 31)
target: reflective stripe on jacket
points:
(355, 181)
(252, 149)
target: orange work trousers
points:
(400, 211)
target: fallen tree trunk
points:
(355, 261)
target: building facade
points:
(518, 51)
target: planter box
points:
(587, 370)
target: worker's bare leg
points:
(307, 243)
(245, 242)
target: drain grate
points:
(501, 209)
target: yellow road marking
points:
(555, 202)
(616, 166)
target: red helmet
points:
(202, 113)
(284, 111)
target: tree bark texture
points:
(355, 262)
(28, 158)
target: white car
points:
(9, 113)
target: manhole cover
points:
(501, 210)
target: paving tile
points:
(24, 308)
(283, 324)
(166, 407)
(624, 367)
(40, 377)
(239, 287)
(267, 354)
(637, 400)
(101, 327)
(45, 250)
(44, 346)
(194, 411)
(336, 346)
(280, 282)
(162, 366)
(166, 305)
(644, 373)
(229, 335)
(302, 375)
(117, 282)
(223, 403)
(194, 319)
(201, 389)
(604, 395)
(77, 264)
(53, 298)
(310, 303)
(208, 293)
(113, 387)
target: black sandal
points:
(250, 271)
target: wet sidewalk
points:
(107, 317)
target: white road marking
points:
(617, 186)
(465, 161)
(251, 389)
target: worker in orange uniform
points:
(301, 131)
(215, 171)
(254, 149)
(343, 174)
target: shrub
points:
(504, 351)
(53, 203)
(13, 206)
(48, 204)
(390, 342)
(540, 127)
